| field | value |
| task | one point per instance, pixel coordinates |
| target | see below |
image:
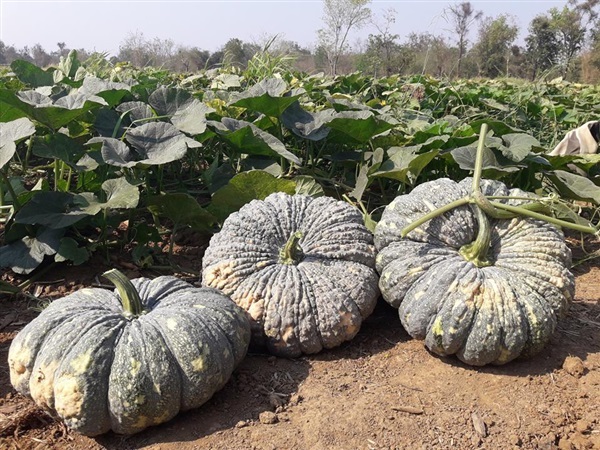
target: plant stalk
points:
(130, 298)
(292, 253)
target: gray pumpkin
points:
(99, 367)
(494, 313)
(303, 268)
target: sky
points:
(102, 25)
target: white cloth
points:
(581, 141)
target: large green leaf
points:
(191, 117)
(361, 126)
(182, 209)
(166, 100)
(575, 186)
(25, 255)
(57, 146)
(32, 75)
(119, 195)
(518, 145)
(265, 97)
(250, 139)
(69, 250)
(136, 111)
(10, 133)
(465, 158)
(112, 92)
(115, 152)
(306, 124)
(52, 209)
(157, 143)
(40, 108)
(405, 164)
(245, 187)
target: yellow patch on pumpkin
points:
(69, 397)
(171, 324)
(81, 363)
(41, 385)
(135, 367)
(198, 364)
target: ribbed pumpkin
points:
(490, 310)
(100, 365)
(303, 268)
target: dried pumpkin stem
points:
(292, 253)
(130, 298)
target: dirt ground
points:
(382, 390)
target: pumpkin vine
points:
(495, 209)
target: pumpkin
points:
(488, 309)
(101, 365)
(303, 268)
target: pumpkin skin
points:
(484, 315)
(316, 301)
(84, 361)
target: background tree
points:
(570, 34)
(493, 49)
(461, 16)
(383, 55)
(340, 17)
(541, 45)
(431, 55)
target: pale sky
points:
(101, 25)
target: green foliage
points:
(91, 162)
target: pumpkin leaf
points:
(361, 126)
(115, 152)
(69, 250)
(136, 111)
(10, 133)
(405, 164)
(119, 195)
(166, 101)
(57, 146)
(245, 187)
(182, 209)
(25, 255)
(305, 124)
(191, 117)
(575, 186)
(250, 139)
(157, 143)
(465, 158)
(265, 97)
(518, 145)
(307, 185)
(32, 75)
(52, 209)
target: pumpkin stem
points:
(130, 299)
(292, 253)
(477, 251)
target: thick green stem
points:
(478, 169)
(477, 251)
(520, 210)
(433, 214)
(292, 253)
(130, 299)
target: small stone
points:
(241, 424)
(565, 444)
(573, 365)
(515, 440)
(268, 417)
(295, 399)
(583, 426)
(476, 441)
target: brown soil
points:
(382, 390)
